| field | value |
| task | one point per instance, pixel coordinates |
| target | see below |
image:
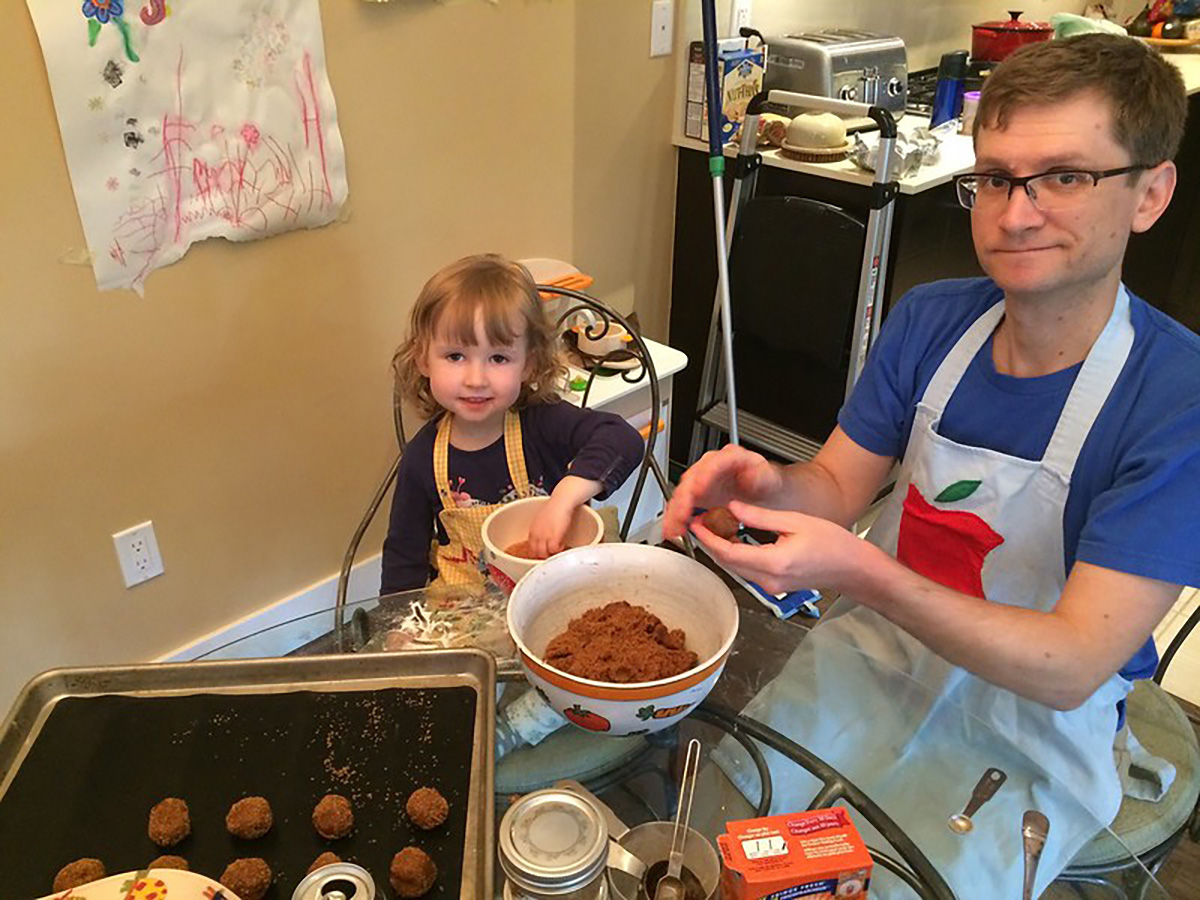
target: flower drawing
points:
(103, 10)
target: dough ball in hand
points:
(249, 818)
(325, 859)
(248, 878)
(78, 873)
(169, 862)
(333, 817)
(721, 522)
(170, 822)
(427, 808)
(412, 872)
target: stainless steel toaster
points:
(842, 63)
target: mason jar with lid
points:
(554, 846)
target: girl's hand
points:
(548, 533)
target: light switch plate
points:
(662, 27)
(739, 16)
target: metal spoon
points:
(1035, 827)
(960, 823)
(670, 886)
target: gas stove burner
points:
(922, 86)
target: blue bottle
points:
(948, 98)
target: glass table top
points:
(916, 790)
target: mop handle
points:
(716, 168)
(712, 85)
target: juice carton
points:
(814, 855)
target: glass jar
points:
(970, 108)
(554, 846)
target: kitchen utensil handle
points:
(985, 790)
(683, 816)
(621, 859)
(1035, 827)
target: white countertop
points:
(957, 153)
(1188, 63)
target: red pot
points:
(993, 41)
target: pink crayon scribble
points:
(117, 253)
(112, 184)
(241, 184)
(251, 135)
(315, 119)
(154, 12)
(174, 144)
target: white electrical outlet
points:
(137, 550)
(662, 27)
(739, 16)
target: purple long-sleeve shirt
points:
(559, 438)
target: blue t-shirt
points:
(1134, 501)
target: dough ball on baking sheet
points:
(412, 872)
(249, 818)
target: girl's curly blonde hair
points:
(505, 294)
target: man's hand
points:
(838, 484)
(719, 476)
(548, 532)
(810, 552)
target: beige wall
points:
(243, 405)
(624, 161)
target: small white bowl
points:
(607, 340)
(510, 524)
(680, 591)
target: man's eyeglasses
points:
(1047, 191)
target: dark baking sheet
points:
(99, 763)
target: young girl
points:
(480, 359)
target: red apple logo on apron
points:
(945, 545)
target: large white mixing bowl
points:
(680, 591)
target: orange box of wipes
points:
(814, 855)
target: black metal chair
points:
(1146, 832)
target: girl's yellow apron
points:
(458, 561)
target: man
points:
(1047, 426)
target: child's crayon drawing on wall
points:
(191, 120)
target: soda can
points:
(340, 881)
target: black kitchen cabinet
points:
(1162, 265)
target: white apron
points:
(905, 725)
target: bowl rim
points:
(696, 675)
(508, 557)
(617, 692)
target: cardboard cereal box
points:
(814, 855)
(741, 77)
